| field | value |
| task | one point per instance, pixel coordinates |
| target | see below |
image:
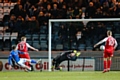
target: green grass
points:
(87, 75)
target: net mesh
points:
(82, 34)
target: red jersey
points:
(109, 47)
(110, 43)
(22, 46)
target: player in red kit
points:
(110, 46)
(23, 47)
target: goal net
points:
(64, 33)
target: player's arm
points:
(10, 62)
(115, 44)
(16, 47)
(72, 56)
(66, 52)
(31, 47)
(20, 52)
(13, 62)
(100, 42)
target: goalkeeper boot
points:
(60, 68)
(52, 68)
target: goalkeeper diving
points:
(63, 56)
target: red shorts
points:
(108, 53)
(26, 55)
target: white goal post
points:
(69, 20)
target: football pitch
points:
(63, 75)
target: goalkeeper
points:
(67, 55)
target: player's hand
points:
(114, 48)
(9, 67)
(95, 45)
(36, 50)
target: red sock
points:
(109, 64)
(105, 64)
(27, 64)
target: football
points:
(102, 47)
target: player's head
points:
(14, 47)
(109, 33)
(23, 38)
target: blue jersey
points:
(14, 54)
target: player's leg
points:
(57, 64)
(14, 64)
(110, 55)
(58, 60)
(57, 57)
(26, 55)
(105, 62)
(105, 65)
(21, 63)
(41, 65)
(109, 63)
(57, 67)
(53, 64)
(33, 61)
(23, 60)
(32, 69)
(36, 62)
(61, 59)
